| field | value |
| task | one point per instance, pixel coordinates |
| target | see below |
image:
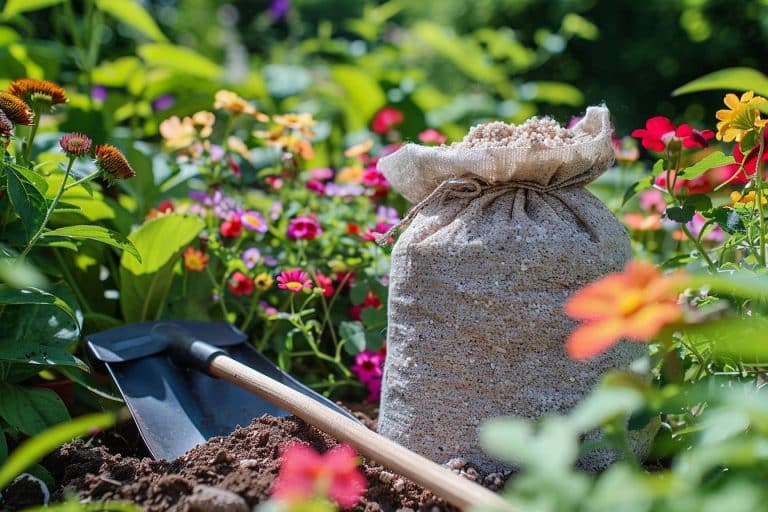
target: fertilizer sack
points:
(503, 232)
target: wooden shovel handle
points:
(443, 482)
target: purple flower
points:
(387, 215)
(99, 93)
(279, 9)
(270, 260)
(163, 102)
(254, 221)
(336, 190)
(251, 257)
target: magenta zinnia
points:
(294, 280)
(112, 163)
(75, 144)
(304, 227)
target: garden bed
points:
(229, 473)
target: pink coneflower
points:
(75, 144)
(254, 221)
(304, 227)
(294, 280)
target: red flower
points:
(371, 301)
(659, 132)
(326, 283)
(305, 474)
(386, 119)
(231, 228)
(165, 206)
(750, 166)
(240, 284)
(353, 229)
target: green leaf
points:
(556, 93)
(134, 15)
(728, 219)
(117, 73)
(179, 59)
(354, 336)
(14, 7)
(145, 284)
(363, 94)
(639, 186)
(28, 202)
(742, 284)
(88, 382)
(716, 159)
(34, 178)
(679, 214)
(98, 234)
(739, 338)
(10, 295)
(98, 506)
(731, 79)
(699, 202)
(31, 410)
(34, 449)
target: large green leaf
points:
(14, 7)
(34, 449)
(557, 93)
(731, 79)
(145, 284)
(179, 59)
(716, 159)
(117, 73)
(31, 410)
(10, 295)
(363, 94)
(28, 202)
(97, 233)
(134, 15)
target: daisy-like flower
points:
(6, 126)
(634, 304)
(235, 104)
(75, 144)
(195, 260)
(37, 91)
(251, 257)
(306, 474)
(263, 281)
(254, 221)
(178, 133)
(16, 109)
(741, 116)
(112, 163)
(204, 122)
(294, 280)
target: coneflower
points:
(33, 90)
(6, 126)
(112, 163)
(15, 109)
(75, 144)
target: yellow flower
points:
(740, 117)
(178, 134)
(747, 199)
(204, 121)
(359, 149)
(302, 122)
(263, 281)
(352, 174)
(236, 145)
(232, 102)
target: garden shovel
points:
(187, 381)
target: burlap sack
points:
(499, 239)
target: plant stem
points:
(72, 282)
(48, 212)
(32, 133)
(83, 179)
(759, 196)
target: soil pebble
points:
(232, 473)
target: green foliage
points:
(134, 15)
(730, 79)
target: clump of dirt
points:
(231, 473)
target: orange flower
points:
(112, 163)
(16, 109)
(359, 149)
(640, 222)
(195, 260)
(634, 304)
(34, 91)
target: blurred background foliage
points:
(444, 63)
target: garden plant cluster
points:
(151, 185)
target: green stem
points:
(699, 247)
(83, 179)
(32, 133)
(759, 196)
(48, 212)
(72, 282)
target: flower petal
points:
(594, 338)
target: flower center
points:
(294, 285)
(630, 302)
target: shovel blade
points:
(177, 408)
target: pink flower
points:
(372, 234)
(369, 368)
(659, 132)
(304, 227)
(294, 280)
(432, 136)
(652, 200)
(268, 310)
(714, 232)
(326, 283)
(306, 474)
(386, 119)
(321, 173)
(316, 186)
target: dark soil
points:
(231, 473)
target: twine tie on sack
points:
(465, 187)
